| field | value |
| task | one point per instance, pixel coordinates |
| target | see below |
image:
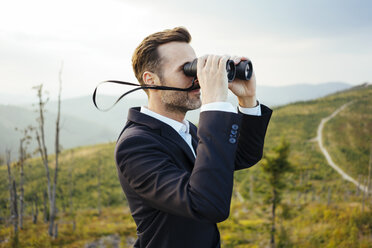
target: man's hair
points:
(146, 56)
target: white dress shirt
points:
(183, 128)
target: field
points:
(318, 209)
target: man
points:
(178, 179)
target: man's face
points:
(173, 56)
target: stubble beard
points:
(180, 101)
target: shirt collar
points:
(183, 127)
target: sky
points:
(289, 42)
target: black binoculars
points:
(243, 70)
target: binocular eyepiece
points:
(243, 70)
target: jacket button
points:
(234, 132)
(235, 127)
(232, 140)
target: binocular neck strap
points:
(140, 87)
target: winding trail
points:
(326, 154)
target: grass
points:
(319, 208)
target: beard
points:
(180, 101)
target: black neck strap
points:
(140, 87)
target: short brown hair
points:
(146, 57)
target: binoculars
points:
(243, 70)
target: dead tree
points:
(56, 231)
(24, 141)
(10, 184)
(15, 208)
(40, 137)
(57, 152)
(21, 183)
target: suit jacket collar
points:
(180, 127)
(165, 130)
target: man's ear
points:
(150, 78)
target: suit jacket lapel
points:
(193, 132)
(169, 133)
(166, 131)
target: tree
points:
(24, 141)
(57, 152)
(275, 166)
(12, 194)
(40, 137)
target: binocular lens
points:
(243, 70)
(231, 70)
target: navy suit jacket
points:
(177, 199)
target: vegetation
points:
(274, 167)
(348, 136)
(318, 208)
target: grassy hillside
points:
(79, 174)
(319, 208)
(348, 136)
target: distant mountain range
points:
(83, 124)
(74, 131)
(282, 95)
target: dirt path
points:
(326, 154)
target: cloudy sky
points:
(289, 41)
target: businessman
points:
(178, 179)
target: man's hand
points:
(212, 77)
(243, 89)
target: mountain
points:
(83, 124)
(281, 95)
(83, 108)
(115, 118)
(74, 131)
(16, 100)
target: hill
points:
(348, 136)
(299, 121)
(319, 208)
(74, 132)
(270, 95)
(83, 124)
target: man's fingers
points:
(237, 59)
(210, 61)
(215, 62)
(223, 62)
(201, 62)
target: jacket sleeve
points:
(203, 194)
(251, 138)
